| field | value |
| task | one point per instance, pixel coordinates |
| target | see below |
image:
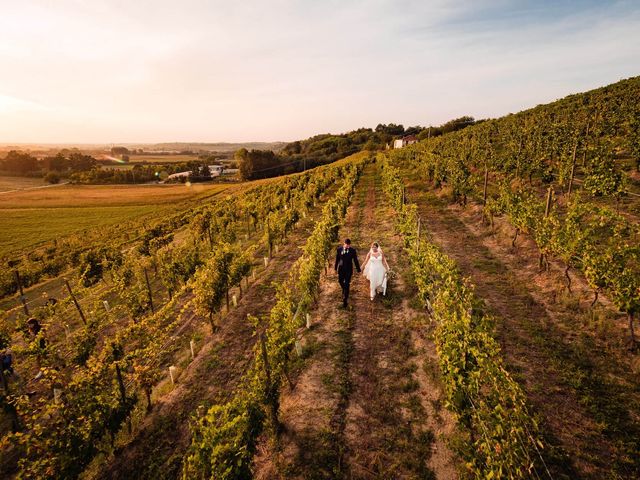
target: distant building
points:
(404, 141)
(216, 171)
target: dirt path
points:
(582, 393)
(366, 403)
(158, 446)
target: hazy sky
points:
(190, 70)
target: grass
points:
(32, 217)
(106, 195)
(16, 183)
(29, 227)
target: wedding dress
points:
(376, 273)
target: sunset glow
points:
(112, 71)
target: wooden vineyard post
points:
(57, 395)
(548, 205)
(192, 346)
(22, 299)
(484, 190)
(172, 374)
(547, 208)
(75, 302)
(212, 323)
(123, 393)
(146, 279)
(271, 394)
(308, 317)
(573, 169)
(234, 300)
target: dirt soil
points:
(367, 401)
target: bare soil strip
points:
(366, 402)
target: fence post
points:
(486, 182)
(271, 391)
(146, 278)
(73, 297)
(22, 299)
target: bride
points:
(375, 270)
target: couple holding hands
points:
(375, 269)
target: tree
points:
(119, 151)
(391, 129)
(81, 163)
(52, 178)
(20, 163)
(59, 163)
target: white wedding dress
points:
(376, 273)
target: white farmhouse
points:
(404, 141)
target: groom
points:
(346, 256)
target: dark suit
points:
(345, 259)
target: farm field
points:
(162, 158)
(25, 227)
(32, 217)
(8, 183)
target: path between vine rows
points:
(158, 446)
(366, 402)
(565, 372)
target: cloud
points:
(200, 70)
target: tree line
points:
(326, 148)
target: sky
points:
(109, 71)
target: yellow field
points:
(29, 218)
(162, 158)
(107, 195)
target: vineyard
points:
(207, 342)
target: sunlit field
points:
(32, 217)
(162, 158)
